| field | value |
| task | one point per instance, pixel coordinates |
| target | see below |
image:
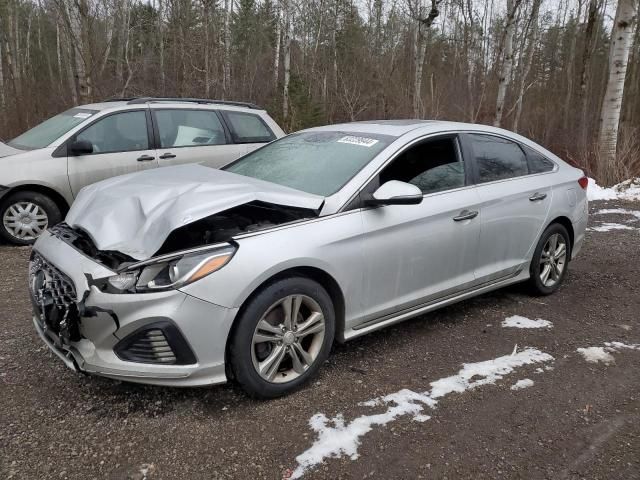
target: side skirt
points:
(406, 314)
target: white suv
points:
(42, 170)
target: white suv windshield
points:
(50, 130)
(314, 162)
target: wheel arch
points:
(314, 273)
(568, 225)
(57, 198)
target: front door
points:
(418, 253)
(121, 144)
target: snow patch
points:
(618, 211)
(627, 190)
(520, 384)
(516, 321)
(596, 354)
(603, 354)
(607, 227)
(337, 437)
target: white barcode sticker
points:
(82, 115)
(362, 141)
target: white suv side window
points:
(189, 128)
(248, 128)
(120, 132)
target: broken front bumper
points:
(165, 338)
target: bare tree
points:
(507, 63)
(620, 46)
(585, 71)
(276, 50)
(532, 28)
(286, 59)
(226, 74)
(423, 23)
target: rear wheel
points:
(283, 336)
(25, 215)
(550, 260)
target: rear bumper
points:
(580, 227)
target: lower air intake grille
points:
(152, 346)
(160, 343)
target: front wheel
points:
(283, 336)
(550, 260)
(25, 215)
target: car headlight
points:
(171, 271)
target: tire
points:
(252, 348)
(41, 210)
(542, 268)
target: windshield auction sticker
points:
(361, 141)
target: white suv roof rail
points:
(138, 100)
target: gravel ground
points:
(578, 420)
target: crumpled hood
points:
(6, 150)
(134, 214)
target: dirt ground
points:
(578, 420)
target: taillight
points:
(584, 182)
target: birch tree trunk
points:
(77, 19)
(507, 64)
(423, 23)
(276, 53)
(226, 67)
(286, 61)
(59, 53)
(535, 9)
(163, 81)
(419, 54)
(207, 81)
(621, 39)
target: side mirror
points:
(395, 192)
(80, 147)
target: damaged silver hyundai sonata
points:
(191, 276)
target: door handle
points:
(167, 155)
(146, 158)
(537, 196)
(465, 215)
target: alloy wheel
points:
(553, 259)
(25, 220)
(288, 338)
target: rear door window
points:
(248, 128)
(497, 158)
(538, 163)
(189, 128)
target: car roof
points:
(397, 128)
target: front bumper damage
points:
(86, 327)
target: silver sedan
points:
(192, 276)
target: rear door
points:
(190, 135)
(122, 143)
(514, 202)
